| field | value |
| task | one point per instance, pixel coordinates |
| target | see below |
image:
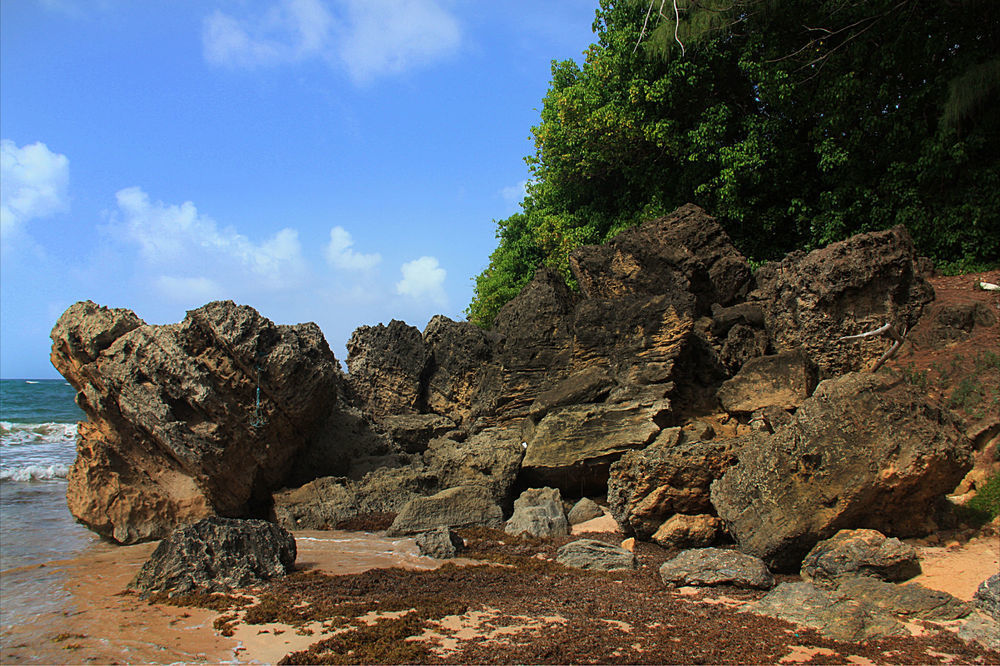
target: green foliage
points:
(984, 505)
(792, 137)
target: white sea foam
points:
(34, 473)
(12, 434)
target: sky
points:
(335, 161)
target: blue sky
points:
(336, 161)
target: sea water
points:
(37, 446)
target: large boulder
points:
(459, 352)
(686, 250)
(987, 597)
(387, 366)
(856, 285)
(671, 476)
(464, 506)
(860, 552)
(538, 512)
(187, 420)
(217, 554)
(781, 380)
(706, 567)
(441, 543)
(864, 451)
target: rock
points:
(839, 619)
(490, 458)
(464, 506)
(459, 352)
(218, 554)
(584, 510)
(387, 366)
(864, 451)
(595, 555)
(909, 601)
(856, 285)
(983, 630)
(575, 445)
(987, 597)
(782, 380)
(646, 487)
(441, 543)
(741, 344)
(590, 385)
(704, 567)
(864, 552)
(686, 250)
(684, 531)
(175, 432)
(412, 432)
(538, 512)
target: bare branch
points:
(887, 330)
(878, 331)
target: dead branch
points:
(887, 330)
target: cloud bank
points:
(339, 254)
(423, 278)
(35, 182)
(366, 38)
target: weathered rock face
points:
(175, 432)
(669, 477)
(782, 380)
(684, 531)
(864, 451)
(387, 366)
(856, 285)
(987, 597)
(464, 506)
(703, 567)
(684, 251)
(460, 351)
(218, 554)
(860, 552)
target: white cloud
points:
(367, 38)
(340, 255)
(391, 36)
(189, 289)
(34, 184)
(423, 278)
(201, 255)
(514, 194)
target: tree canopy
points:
(795, 122)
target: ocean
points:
(37, 446)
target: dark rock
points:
(539, 513)
(987, 597)
(782, 380)
(860, 552)
(685, 251)
(909, 601)
(646, 487)
(857, 285)
(839, 619)
(743, 314)
(741, 344)
(704, 567)
(412, 432)
(490, 458)
(388, 365)
(218, 554)
(983, 630)
(864, 451)
(441, 543)
(175, 430)
(590, 385)
(948, 322)
(465, 506)
(459, 352)
(584, 510)
(595, 555)
(684, 531)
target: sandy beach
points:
(506, 611)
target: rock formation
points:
(175, 429)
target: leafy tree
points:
(794, 122)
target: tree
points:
(795, 122)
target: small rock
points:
(629, 544)
(595, 555)
(218, 554)
(865, 552)
(441, 543)
(702, 567)
(683, 531)
(584, 510)
(987, 597)
(538, 512)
